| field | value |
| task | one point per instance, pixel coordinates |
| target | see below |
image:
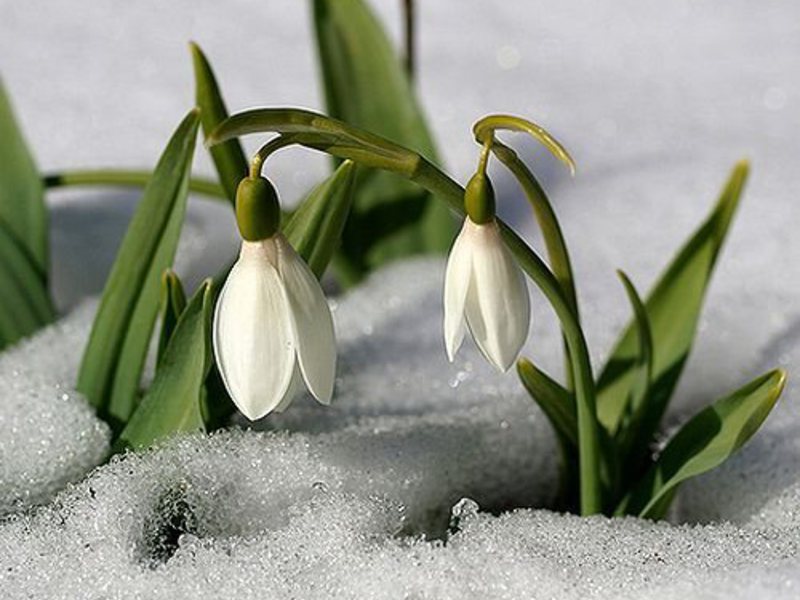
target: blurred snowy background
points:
(655, 100)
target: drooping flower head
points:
(272, 325)
(484, 288)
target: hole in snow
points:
(171, 518)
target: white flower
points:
(485, 290)
(272, 328)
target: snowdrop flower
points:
(272, 325)
(484, 287)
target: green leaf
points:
(366, 85)
(704, 443)
(636, 401)
(555, 402)
(229, 157)
(22, 207)
(172, 404)
(24, 303)
(673, 309)
(315, 228)
(173, 303)
(114, 357)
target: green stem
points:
(448, 190)
(408, 22)
(126, 178)
(551, 232)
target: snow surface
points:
(655, 100)
(355, 500)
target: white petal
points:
(456, 283)
(253, 338)
(497, 307)
(312, 322)
(295, 389)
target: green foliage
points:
(25, 303)
(315, 228)
(173, 303)
(114, 357)
(174, 401)
(366, 86)
(704, 443)
(637, 383)
(229, 157)
(22, 208)
(673, 309)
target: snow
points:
(655, 100)
(355, 500)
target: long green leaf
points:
(673, 309)
(172, 404)
(557, 405)
(559, 408)
(173, 303)
(22, 207)
(22, 300)
(229, 157)
(114, 357)
(366, 85)
(635, 404)
(704, 443)
(25, 304)
(315, 228)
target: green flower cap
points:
(479, 199)
(258, 212)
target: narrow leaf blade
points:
(705, 442)
(22, 207)
(173, 401)
(173, 303)
(229, 157)
(114, 357)
(25, 304)
(673, 309)
(315, 228)
(366, 85)
(556, 403)
(635, 404)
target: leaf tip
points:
(781, 377)
(743, 165)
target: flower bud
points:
(258, 212)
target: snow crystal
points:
(48, 433)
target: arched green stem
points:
(264, 152)
(125, 178)
(557, 253)
(487, 126)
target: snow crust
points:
(379, 495)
